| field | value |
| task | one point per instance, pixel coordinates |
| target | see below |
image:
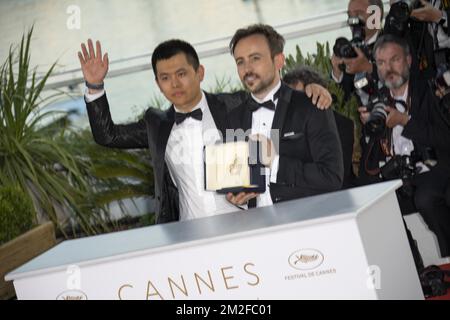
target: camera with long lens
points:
(397, 20)
(375, 99)
(344, 48)
(405, 167)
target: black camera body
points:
(399, 167)
(405, 167)
(344, 48)
(432, 280)
(375, 99)
(398, 18)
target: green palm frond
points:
(321, 62)
(115, 174)
(36, 157)
(225, 84)
(123, 192)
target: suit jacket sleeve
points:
(108, 134)
(232, 100)
(326, 170)
(427, 125)
(347, 85)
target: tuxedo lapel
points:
(218, 111)
(247, 115)
(282, 108)
(164, 130)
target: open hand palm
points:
(93, 65)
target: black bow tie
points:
(255, 105)
(196, 114)
(269, 104)
(400, 102)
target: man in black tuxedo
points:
(309, 156)
(175, 137)
(413, 125)
(297, 79)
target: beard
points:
(403, 78)
(261, 86)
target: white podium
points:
(344, 245)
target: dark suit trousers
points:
(430, 201)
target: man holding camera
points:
(424, 24)
(413, 127)
(345, 67)
(435, 13)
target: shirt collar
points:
(270, 95)
(404, 96)
(373, 39)
(201, 105)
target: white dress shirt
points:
(400, 144)
(184, 158)
(262, 120)
(91, 97)
(437, 30)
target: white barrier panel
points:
(345, 245)
(427, 241)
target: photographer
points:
(364, 34)
(413, 20)
(413, 126)
(435, 13)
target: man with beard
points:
(414, 125)
(302, 155)
(176, 136)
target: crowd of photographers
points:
(399, 69)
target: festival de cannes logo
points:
(72, 295)
(306, 259)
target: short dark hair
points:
(304, 74)
(390, 38)
(274, 39)
(170, 48)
